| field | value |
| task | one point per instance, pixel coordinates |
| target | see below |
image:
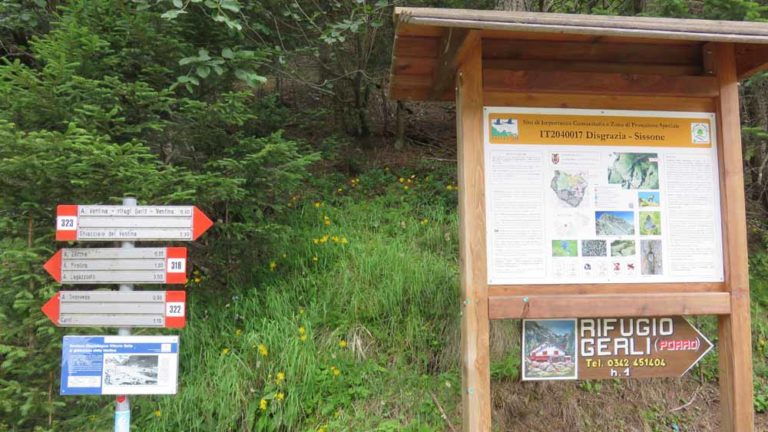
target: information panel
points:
(601, 196)
(125, 365)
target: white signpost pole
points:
(122, 405)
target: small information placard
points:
(124, 365)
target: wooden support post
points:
(475, 352)
(735, 341)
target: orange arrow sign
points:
(117, 309)
(130, 223)
(166, 265)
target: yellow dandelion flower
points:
(279, 396)
(318, 204)
(302, 330)
(238, 332)
(322, 429)
(198, 280)
(263, 350)
(316, 241)
(340, 190)
(335, 371)
(410, 181)
(344, 240)
(272, 265)
(263, 404)
(335, 239)
(314, 258)
(405, 187)
(280, 377)
(424, 221)
(327, 221)
(303, 338)
(401, 179)
(225, 351)
(158, 413)
(342, 343)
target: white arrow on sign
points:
(117, 309)
(129, 223)
(167, 265)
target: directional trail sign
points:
(640, 347)
(166, 265)
(117, 309)
(119, 365)
(129, 223)
(602, 348)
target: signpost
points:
(163, 309)
(123, 364)
(130, 223)
(113, 265)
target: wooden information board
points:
(574, 207)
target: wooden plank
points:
(588, 66)
(610, 288)
(568, 100)
(568, 37)
(598, 83)
(406, 46)
(608, 305)
(414, 66)
(643, 27)
(417, 94)
(751, 59)
(454, 47)
(405, 29)
(475, 341)
(592, 52)
(735, 343)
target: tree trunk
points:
(400, 126)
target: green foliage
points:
(95, 117)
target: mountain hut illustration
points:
(548, 353)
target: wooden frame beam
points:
(475, 325)
(611, 305)
(454, 48)
(598, 83)
(605, 288)
(600, 52)
(735, 338)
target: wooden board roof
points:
(429, 43)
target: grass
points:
(355, 313)
(352, 325)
